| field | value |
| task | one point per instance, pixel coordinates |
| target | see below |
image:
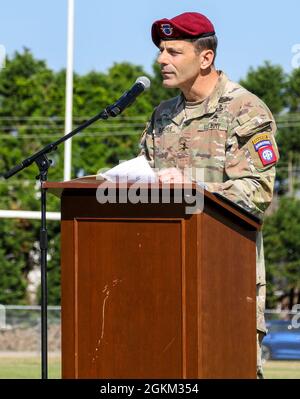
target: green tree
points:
(282, 249)
(268, 82)
(293, 91)
(28, 93)
(289, 132)
(281, 93)
(15, 260)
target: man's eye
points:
(171, 52)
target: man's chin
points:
(167, 83)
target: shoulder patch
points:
(267, 155)
(263, 150)
(261, 140)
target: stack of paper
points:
(132, 171)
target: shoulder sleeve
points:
(251, 156)
(255, 130)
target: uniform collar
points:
(208, 106)
(211, 102)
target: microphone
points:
(142, 83)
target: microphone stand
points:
(43, 163)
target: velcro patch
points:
(267, 155)
(242, 119)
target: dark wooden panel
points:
(87, 206)
(228, 302)
(129, 299)
(67, 301)
(191, 285)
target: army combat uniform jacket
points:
(229, 137)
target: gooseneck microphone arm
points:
(43, 163)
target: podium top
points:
(91, 183)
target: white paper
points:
(132, 171)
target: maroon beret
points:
(189, 25)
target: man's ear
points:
(206, 58)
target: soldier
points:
(214, 125)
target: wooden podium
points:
(149, 291)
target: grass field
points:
(20, 366)
(280, 369)
(27, 366)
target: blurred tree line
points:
(32, 106)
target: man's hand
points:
(173, 175)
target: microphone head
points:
(144, 81)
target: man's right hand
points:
(172, 175)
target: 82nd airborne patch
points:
(267, 155)
(263, 146)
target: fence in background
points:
(20, 327)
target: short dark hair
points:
(207, 43)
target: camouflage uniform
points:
(224, 135)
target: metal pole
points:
(69, 90)
(44, 163)
(8, 214)
(44, 289)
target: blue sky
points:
(113, 31)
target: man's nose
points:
(162, 58)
